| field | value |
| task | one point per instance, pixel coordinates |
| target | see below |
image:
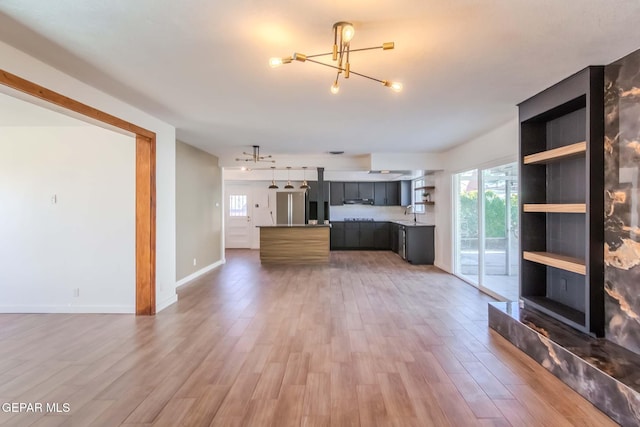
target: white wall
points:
(499, 146)
(25, 66)
(83, 239)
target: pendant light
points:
(273, 185)
(304, 185)
(288, 186)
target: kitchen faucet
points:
(406, 210)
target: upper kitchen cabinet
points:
(391, 193)
(365, 190)
(336, 195)
(351, 190)
(387, 193)
(405, 193)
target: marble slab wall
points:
(622, 202)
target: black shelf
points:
(561, 162)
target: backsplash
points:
(379, 213)
(622, 202)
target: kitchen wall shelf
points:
(555, 207)
(562, 201)
(562, 262)
(427, 187)
(556, 153)
(426, 203)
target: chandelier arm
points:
(351, 50)
(342, 69)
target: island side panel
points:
(294, 245)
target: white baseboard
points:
(75, 309)
(446, 269)
(199, 273)
(166, 303)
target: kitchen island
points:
(294, 244)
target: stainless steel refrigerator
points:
(290, 207)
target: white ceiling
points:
(201, 65)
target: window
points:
(418, 184)
(238, 205)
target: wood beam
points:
(145, 183)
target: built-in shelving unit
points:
(561, 196)
(421, 187)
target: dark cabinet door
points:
(380, 193)
(405, 193)
(312, 191)
(351, 190)
(393, 193)
(420, 247)
(367, 230)
(337, 235)
(352, 235)
(336, 197)
(381, 236)
(394, 235)
(365, 190)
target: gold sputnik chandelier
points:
(343, 33)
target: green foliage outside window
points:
(495, 212)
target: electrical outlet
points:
(76, 292)
(195, 262)
(563, 285)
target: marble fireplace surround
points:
(604, 373)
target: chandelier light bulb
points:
(347, 33)
(335, 88)
(396, 86)
(275, 62)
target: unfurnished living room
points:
(319, 213)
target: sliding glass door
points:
(500, 188)
(487, 229)
(467, 214)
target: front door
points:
(238, 224)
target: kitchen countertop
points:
(412, 224)
(293, 225)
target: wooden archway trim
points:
(145, 183)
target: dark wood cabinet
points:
(381, 236)
(367, 230)
(394, 235)
(312, 191)
(405, 193)
(380, 193)
(351, 190)
(393, 193)
(337, 235)
(365, 190)
(352, 235)
(387, 193)
(336, 193)
(420, 244)
(562, 201)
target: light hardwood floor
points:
(365, 341)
